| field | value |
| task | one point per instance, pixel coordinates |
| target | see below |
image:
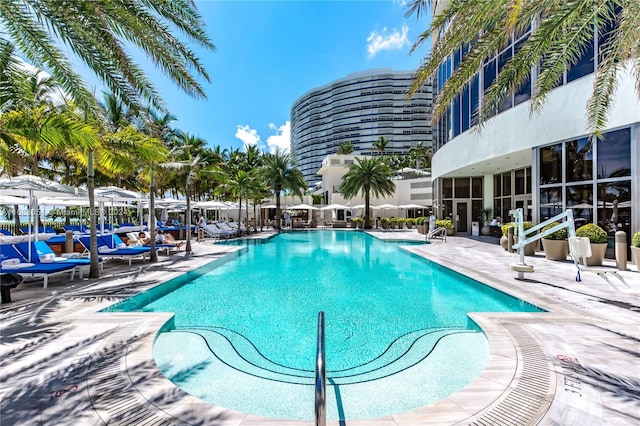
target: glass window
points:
(524, 92)
(520, 182)
(580, 199)
(476, 211)
(489, 74)
(579, 160)
(462, 188)
(447, 188)
(465, 109)
(456, 116)
(497, 185)
(447, 208)
(528, 181)
(584, 66)
(506, 183)
(550, 202)
(475, 99)
(614, 154)
(614, 207)
(551, 164)
(502, 62)
(476, 187)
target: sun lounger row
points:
(13, 261)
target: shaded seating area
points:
(42, 253)
(214, 230)
(14, 262)
(112, 247)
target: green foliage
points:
(421, 220)
(444, 223)
(560, 234)
(635, 241)
(317, 198)
(505, 227)
(486, 215)
(592, 231)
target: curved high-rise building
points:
(360, 109)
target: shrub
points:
(421, 220)
(560, 234)
(444, 223)
(592, 231)
(635, 241)
(505, 228)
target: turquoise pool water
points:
(397, 332)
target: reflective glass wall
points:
(592, 176)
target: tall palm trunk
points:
(187, 248)
(16, 218)
(153, 255)
(94, 268)
(239, 215)
(367, 219)
(278, 212)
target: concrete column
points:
(68, 242)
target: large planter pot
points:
(485, 230)
(451, 231)
(504, 242)
(529, 249)
(422, 229)
(555, 249)
(598, 251)
(635, 255)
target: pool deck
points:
(577, 364)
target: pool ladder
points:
(321, 379)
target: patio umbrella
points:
(303, 207)
(36, 187)
(115, 193)
(336, 207)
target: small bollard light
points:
(621, 250)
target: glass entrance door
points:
(461, 217)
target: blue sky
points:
(269, 53)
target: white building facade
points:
(359, 109)
(543, 163)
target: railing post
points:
(321, 383)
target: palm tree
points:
(345, 148)
(367, 176)
(381, 144)
(562, 32)
(280, 175)
(190, 165)
(98, 32)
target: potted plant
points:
(446, 224)
(529, 249)
(384, 222)
(635, 249)
(555, 245)
(504, 240)
(485, 219)
(421, 224)
(409, 222)
(357, 222)
(598, 239)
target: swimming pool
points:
(397, 332)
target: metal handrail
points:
(438, 232)
(321, 379)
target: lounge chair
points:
(12, 261)
(112, 247)
(580, 250)
(42, 253)
(215, 231)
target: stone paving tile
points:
(62, 363)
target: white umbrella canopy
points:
(359, 206)
(211, 205)
(121, 194)
(9, 200)
(37, 186)
(385, 206)
(303, 207)
(412, 206)
(269, 206)
(337, 207)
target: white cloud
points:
(385, 40)
(281, 139)
(247, 135)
